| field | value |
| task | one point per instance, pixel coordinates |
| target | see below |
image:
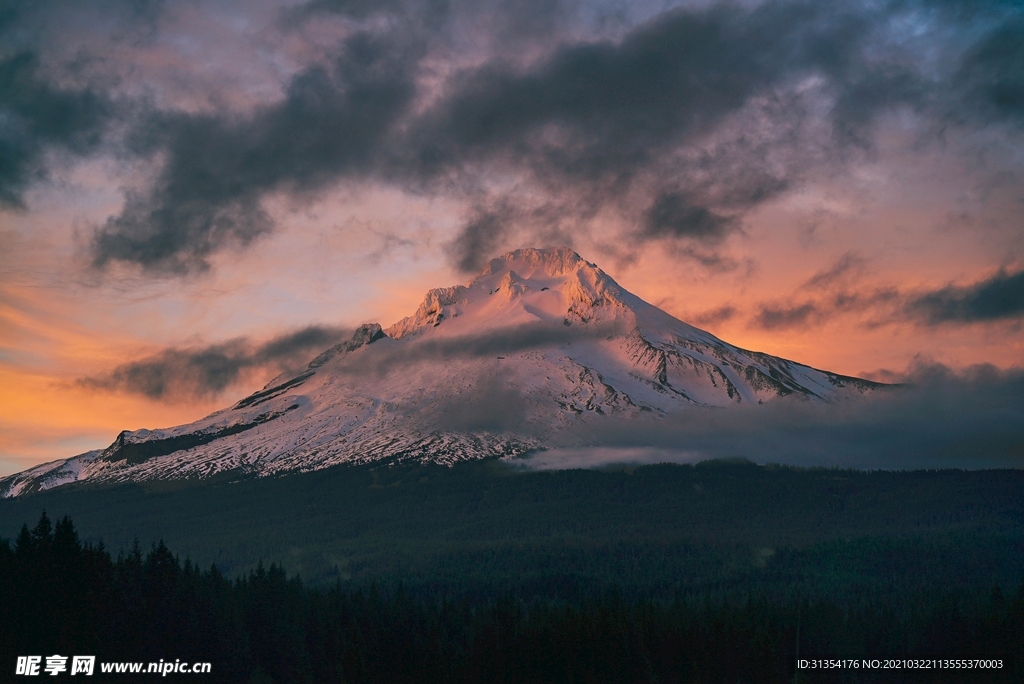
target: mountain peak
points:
(552, 261)
(552, 285)
(539, 345)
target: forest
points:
(488, 573)
(60, 596)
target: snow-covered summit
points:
(539, 345)
(543, 285)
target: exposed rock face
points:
(540, 342)
(365, 334)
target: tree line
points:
(60, 596)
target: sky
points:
(195, 197)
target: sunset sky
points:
(195, 196)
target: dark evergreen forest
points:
(60, 596)
(482, 574)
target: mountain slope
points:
(539, 345)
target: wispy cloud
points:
(994, 299)
(847, 266)
(775, 316)
(1000, 297)
(714, 316)
(387, 358)
(182, 374)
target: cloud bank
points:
(937, 418)
(674, 125)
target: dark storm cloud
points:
(599, 113)
(673, 215)
(30, 24)
(36, 115)
(330, 124)
(350, 8)
(508, 23)
(431, 13)
(616, 104)
(994, 70)
(865, 95)
(936, 418)
(184, 374)
(1001, 297)
(176, 374)
(602, 119)
(680, 125)
(481, 234)
(586, 121)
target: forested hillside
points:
(59, 596)
(481, 529)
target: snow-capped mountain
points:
(539, 344)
